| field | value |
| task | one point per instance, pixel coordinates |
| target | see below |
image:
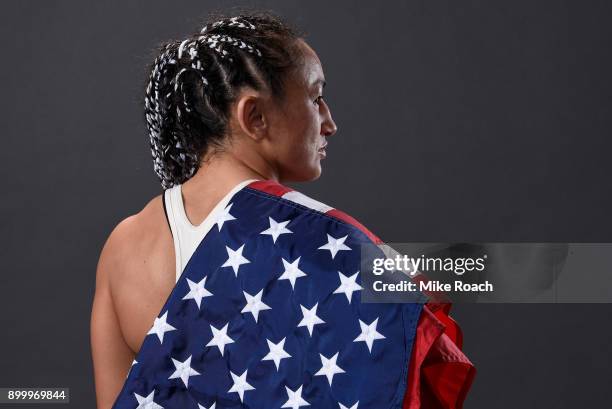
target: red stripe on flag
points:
(339, 214)
(269, 186)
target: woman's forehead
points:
(310, 71)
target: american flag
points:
(268, 314)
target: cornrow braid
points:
(192, 84)
(214, 39)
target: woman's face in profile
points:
(300, 127)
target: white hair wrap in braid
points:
(231, 22)
(157, 109)
(215, 41)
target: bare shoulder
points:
(141, 224)
(139, 260)
(130, 236)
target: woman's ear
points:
(250, 115)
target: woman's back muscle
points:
(135, 275)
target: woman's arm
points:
(112, 358)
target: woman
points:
(217, 294)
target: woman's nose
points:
(328, 127)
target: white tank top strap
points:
(185, 235)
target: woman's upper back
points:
(134, 276)
(155, 246)
(145, 270)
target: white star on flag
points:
(277, 352)
(134, 362)
(235, 259)
(197, 291)
(220, 338)
(348, 285)
(147, 402)
(254, 304)
(335, 245)
(183, 370)
(295, 399)
(276, 229)
(345, 407)
(160, 327)
(224, 217)
(310, 318)
(369, 333)
(240, 384)
(329, 367)
(292, 272)
(212, 407)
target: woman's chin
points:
(316, 171)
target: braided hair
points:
(193, 82)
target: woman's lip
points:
(322, 152)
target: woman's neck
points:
(218, 174)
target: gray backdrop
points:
(458, 121)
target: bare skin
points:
(135, 273)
